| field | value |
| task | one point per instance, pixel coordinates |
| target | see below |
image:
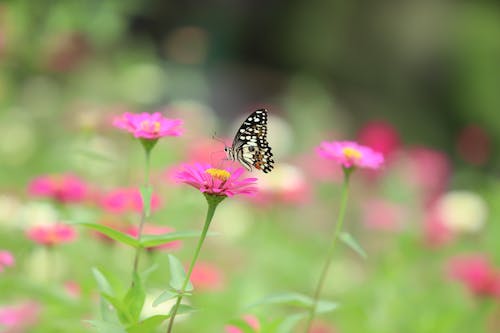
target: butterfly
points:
(250, 146)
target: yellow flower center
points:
(352, 153)
(150, 126)
(218, 173)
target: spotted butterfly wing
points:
(250, 146)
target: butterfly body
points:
(250, 147)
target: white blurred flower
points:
(9, 210)
(462, 211)
(287, 183)
(37, 213)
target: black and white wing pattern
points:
(250, 146)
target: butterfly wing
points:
(250, 146)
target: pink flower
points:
(6, 259)
(436, 233)
(286, 184)
(350, 154)
(476, 272)
(73, 289)
(17, 318)
(64, 188)
(383, 215)
(380, 136)
(429, 170)
(150, 229)
(320, 327)
(251, 320)
(125, 200)
(215, 181)
(148, 126)
(50, 235)
(206, 276)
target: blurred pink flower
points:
(148, 126)
(286, 184)
(50, 235)
(125, 200)
(436, 233)
(382, 214)
(320, 327)
(350, 154)
(6, 259)
(150, 229)
(475, 272)
(19, 317)
(73, 289)
(206, 276)
(64, 188)
(474, 145)
(317, 168)
(251, 320)
(380, 136)
(429, 170)
(215, 181)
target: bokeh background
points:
(416, 80)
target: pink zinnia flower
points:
(148, 126)
(476, 272)
(6, 259)
(17, 318)
(64, 188)
(380, 136)
(125, 200)
(215, 181)
(206, 276)
(350, 154)
(50, 235)
(150, 229)
(251, 320)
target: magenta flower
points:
(6, 259)
(350, 154)
(64, 188)
(206, 276)
(148, 126)
(215, 181)
(476, 272)
(124, 200)
(18, 317)
(380, 136)
(150, 229)
(50, 235)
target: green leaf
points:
(102, 282)
(242, 325)
(121, 310)
(148, 324)
(289, 323)
(145, 275)
(112, 233)
(106, 326)
(353, 244)
(134, 299)
(177, 274)
(105, 287)
(146, 193)
(154, 240)
(294, 299)
(164, 296)
(184, 309)
(326, 306)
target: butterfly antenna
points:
(214, 136)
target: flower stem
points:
(143, 213)
(212, 205)
(329, 254)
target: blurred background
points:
(417, 80)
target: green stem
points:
(212, 205)
(143, 214)
(329, 254)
